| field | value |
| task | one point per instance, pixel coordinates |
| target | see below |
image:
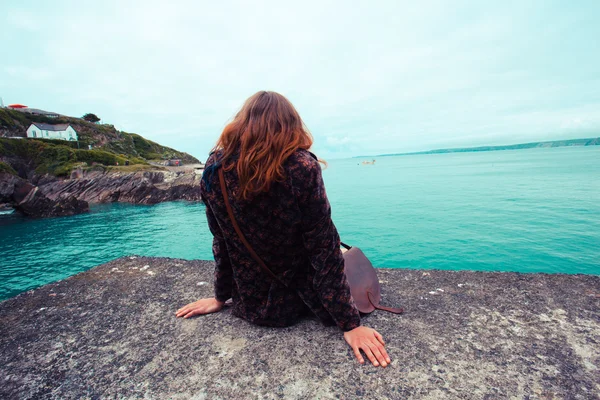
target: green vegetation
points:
(91, 117)
(11, 119)
(59, 160)
(136, 145)
(108, 145)
(58, 142)
(134, 168)
(4, 167)
(20, 121)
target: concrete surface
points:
(111, 332)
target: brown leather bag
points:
(361, 276)
(363, 281)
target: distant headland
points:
(521, 146)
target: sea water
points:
(532, 210)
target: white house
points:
(48, 131)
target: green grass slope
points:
(104, 138)
(46, 156)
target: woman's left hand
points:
(200, 307)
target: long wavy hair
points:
(265, 132)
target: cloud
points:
(390, 77)
(22, 20)
(336, 141)
(30, 74)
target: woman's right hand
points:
(370, 342)
(200, 307)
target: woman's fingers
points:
(358, 355)
(187, 310)
(370, 354)
(183, 310)
(202, 306)
(385, 354)
(376, 349)
(381, 347)
(379, 337)
(188, 314)
(198, 310)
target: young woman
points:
(278, 199)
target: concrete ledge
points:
(111, 333)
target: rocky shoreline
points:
(111, 332)
(48, 196)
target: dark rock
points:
(8, 182)
(111, 332)
(143, 187)
(22, 189)
(39, 180)
(21, 166)
(76, 174)
(37, 204)
(29, 200)
(45, 196)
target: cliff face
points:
(51, 196)
(28, 199)
(142, 187)
(111, 332)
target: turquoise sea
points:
(522, 210)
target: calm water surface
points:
(524, 210)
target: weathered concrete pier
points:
(111, 332)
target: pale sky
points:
(367, 77)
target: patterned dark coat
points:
(290, 228)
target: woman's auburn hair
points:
(265, 132)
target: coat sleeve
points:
(322, 243)
(223, 270)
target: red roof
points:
(16, 106)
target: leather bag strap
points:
(384, 308)
(239, 232)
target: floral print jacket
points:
(290, 228)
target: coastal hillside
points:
(53, 177)
(520, 146)
(101, 137)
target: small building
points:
(37, 111)
(49, 131)
(174, 163)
